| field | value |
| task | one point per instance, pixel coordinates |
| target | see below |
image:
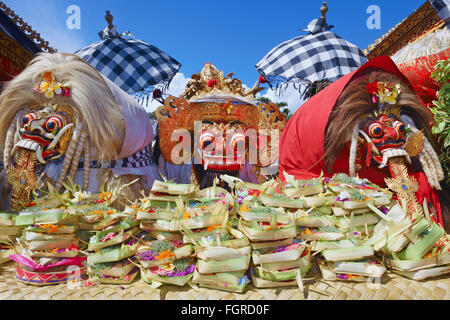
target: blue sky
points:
(233, 35)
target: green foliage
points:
(109, 265)
(441, 112)
(343, 178)
(110, 248)
(315, 88)
(152, 115)
(329, 229)
(160, 246)
(356, 195)
(182, 264)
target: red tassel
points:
(369, 154)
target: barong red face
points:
(222, 146)
(218, 126)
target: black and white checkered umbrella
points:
(319, 56)
(133, 65)
(442, 8)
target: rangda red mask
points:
(385, 137)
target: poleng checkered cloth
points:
(133, 65)
(317, 56)
(442, 8)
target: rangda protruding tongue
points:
(394, 153)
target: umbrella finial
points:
(324, 10)
(109, 18)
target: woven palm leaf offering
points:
(267, 218)
(166, 214)
(339, 237)
(278, 265)
(190, 210)
(163, 261)
(166, 261)
(48, 250)
(8, 234)
(112, 249)
(160, 205)
(223, 255)
(410, 241)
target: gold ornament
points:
(210, 81)
(415, 143)
(405, 186)
(22, 179)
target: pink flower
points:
(66, 92)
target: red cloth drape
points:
(302, 141)
(419, 73)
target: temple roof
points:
(17, 29)
(420, 22)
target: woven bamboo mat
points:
(392, 287)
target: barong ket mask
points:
(59, 117)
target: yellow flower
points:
(58, 88)
(164, 255)
(44, 86)
(244, 208)
(168, 267)
(388, 92)
(212, 228)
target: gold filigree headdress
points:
(210, 96)
(210, 81)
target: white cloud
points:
(50, 24)
(290, 95)
(176, 88)
(178, 84)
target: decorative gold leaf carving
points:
(415, 143)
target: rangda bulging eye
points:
(399, 126)
(376, 130)
(238, 141)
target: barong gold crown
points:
(210, 81)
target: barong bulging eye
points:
(28, 118)
(54, 123)
(207, 141)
